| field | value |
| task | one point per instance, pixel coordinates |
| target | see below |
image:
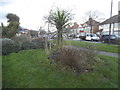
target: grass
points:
(32, 69)
(100, 46)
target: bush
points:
(22, 38)
(76, 59)
(38, 43)
(9, 46)
(34, 44)
(28, 45)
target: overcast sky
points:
(31, 12)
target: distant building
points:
(93, 26)
(74, 29)
(85, 28)
(33, 33)
(115, 25)
(22, 31)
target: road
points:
(99, 52)
(78, 39)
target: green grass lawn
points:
(98, 46)
(32, 69)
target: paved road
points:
(78, 39)
(98, 52)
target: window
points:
(116, 25)
(106, 26)
(119, 25)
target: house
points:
(33, 33)
(22, 31)
(83, 29)
(93, 26)
(74, 28)
(89, 27)
(115, 25)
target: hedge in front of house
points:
(28, 45)
(39, 43)
(9, 46)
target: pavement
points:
(96, 51)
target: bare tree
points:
(91, 17)
(94, 15)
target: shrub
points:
(9, 46)
(76, 59)
(34, 44)
(39, 43)
(28, 45)
(22, 38)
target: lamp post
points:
(110, 20)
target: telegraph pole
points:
(49, 27)
(110, 21)
(49, 17)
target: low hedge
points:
(38, 43)
(28, 45)
(9, 46)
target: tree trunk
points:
(46, 46)
(61, 36)
(58, 37)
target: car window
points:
(113, 37)
(91, 35)
(94, 35)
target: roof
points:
(74, 26)
(113, 19)
(93, 22)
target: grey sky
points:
(31, 12)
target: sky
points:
(32, 12)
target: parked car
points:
(114, 39)
(42, 36)
(54, 36)
(72, 35)
(92, 37)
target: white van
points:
(92, 37)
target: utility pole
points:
(47, 35)
(110, 21)
(48, 24)
(49, 17)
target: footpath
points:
(96, 51)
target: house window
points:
(116, 25)
(106, 26)
(119, 25)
